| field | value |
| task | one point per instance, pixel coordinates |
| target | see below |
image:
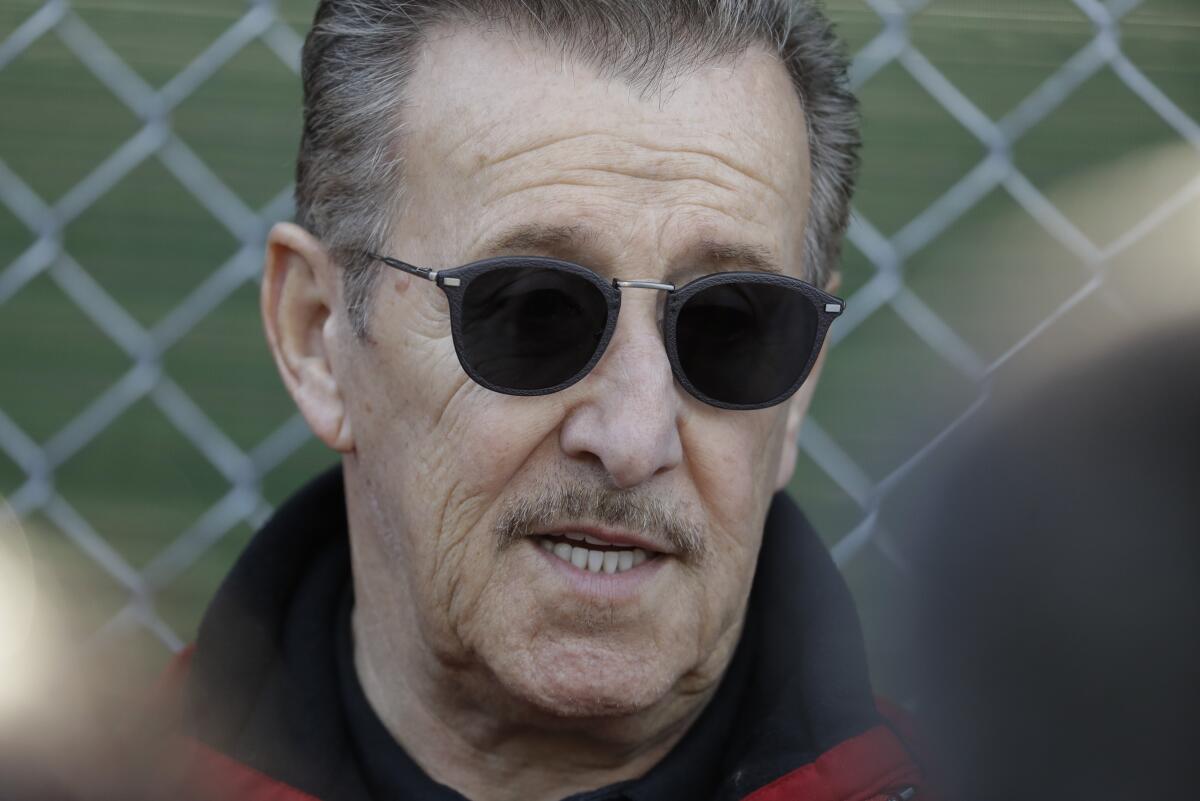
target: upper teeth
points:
(594, 561)
(585, 538)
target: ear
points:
(299, 296)
(798, 407)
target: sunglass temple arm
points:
(421, 272)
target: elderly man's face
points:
(506, 141)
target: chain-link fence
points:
(166, 344)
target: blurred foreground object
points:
(37, 720)
(18, 667)
(1058, 586)
(67, 733)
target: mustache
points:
(575, 500)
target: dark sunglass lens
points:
(745, 343)
(531, 328)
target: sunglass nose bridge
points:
(661, 287)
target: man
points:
(556, 560)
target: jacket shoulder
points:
(198, 772)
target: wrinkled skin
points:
(498, 676)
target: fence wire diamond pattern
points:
(243, 501)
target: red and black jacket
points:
(262, 718)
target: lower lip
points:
(610, 586)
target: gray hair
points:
(360, 53)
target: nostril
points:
(587, 458)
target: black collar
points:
(272, 684)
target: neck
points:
(465, 732)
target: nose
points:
(628, 411)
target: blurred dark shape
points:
(1057, 577)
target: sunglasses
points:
(528, 325)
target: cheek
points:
(732, 458)
(484, 441)
(441, 453)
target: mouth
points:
(594, 554)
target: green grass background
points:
(149, 243)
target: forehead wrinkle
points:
(722, 159)
(484, 161)
(572, 178)
(470, 135)
(687, 157)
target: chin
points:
(585, 681)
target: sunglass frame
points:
(823, 304)
(455, 281)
